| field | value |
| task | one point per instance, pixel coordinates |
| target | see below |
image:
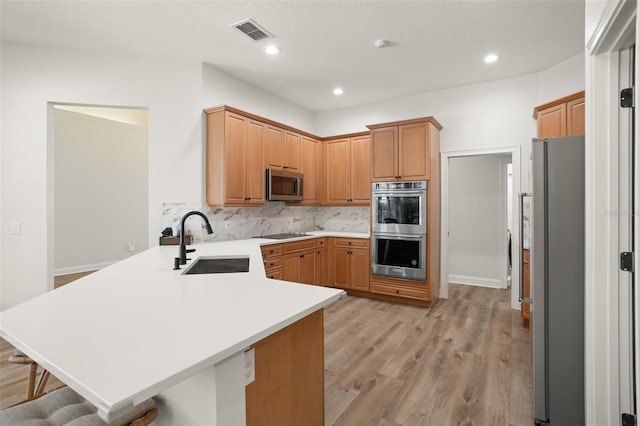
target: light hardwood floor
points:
(465, 361)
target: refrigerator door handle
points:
(521, 297)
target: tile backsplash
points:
(236, 223)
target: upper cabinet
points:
(235, 159)
(283, 149)
(562, 117)
(310, 168)
(403, 150)
(347, 168)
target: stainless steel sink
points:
(218, 265)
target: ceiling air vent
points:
(251, 29)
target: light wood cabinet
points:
(348, 171)
(272, 259)
(234, 159)
(282, 149)
(310, 168)
(289, 376)
(562, 117)
(349, 263)
(402, 151)
(303, 261)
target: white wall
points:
(562, 79)
(101, 191)
(477, 233)
(223, 89)
(174, 93)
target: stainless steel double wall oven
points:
(399, 230)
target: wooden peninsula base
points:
(289, 376)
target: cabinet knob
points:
(301, 256)
(397, 291)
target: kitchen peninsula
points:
(139, 329)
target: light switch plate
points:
(249, 366)
(16, 228)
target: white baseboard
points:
(481, 282)
(80, 268)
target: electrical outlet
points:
(132, 245)
(249, 366)
(227, 224)
(16, 228)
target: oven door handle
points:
(399, 236)
(397, 193)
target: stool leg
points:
(42, 382)
(32, 380)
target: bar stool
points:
(33, 390)
(65, 407)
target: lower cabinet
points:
(272, 260)
(349, 263)
(304, 261)
(342, 263)
(401, 290)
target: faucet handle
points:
(176, 263)
(189, 250)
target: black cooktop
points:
(282, 236)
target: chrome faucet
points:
(182, 259)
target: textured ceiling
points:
(434, 44)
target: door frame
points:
(514, 151)
(613, 25)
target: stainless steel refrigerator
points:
(557, 264)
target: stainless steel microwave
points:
(284, 185)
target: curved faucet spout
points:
(182, 259)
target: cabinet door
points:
(308, 267)
(309, 156)
(361, 170)
(552, 122)
(413, 152)
(291, 153)
(274, 148)
(360, 266)
(321, 274)
(384, 154)
(234, 162)
(291, 266)
(254, 158)
(340, 267)
(338, 171)
(575, 117)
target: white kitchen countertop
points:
(134, 329)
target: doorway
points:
(99, 182)
(463, 240)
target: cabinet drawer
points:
(411, 293)
(275, 274)
(273, 262)
(351, 242)
(271, 249)
(321, 242)
(299, 245)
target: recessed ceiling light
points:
(491, 57)
(272, 50)
(338, 91)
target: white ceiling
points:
(434, 44)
